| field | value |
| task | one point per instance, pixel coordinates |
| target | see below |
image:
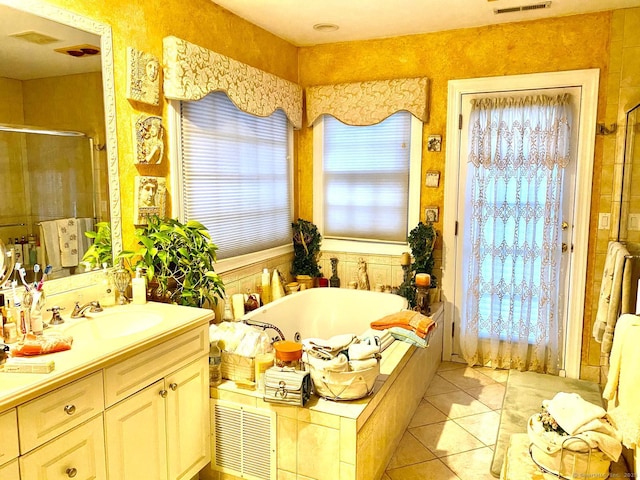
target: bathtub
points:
(324, 440)
(324, 312)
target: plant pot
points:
(155, 293)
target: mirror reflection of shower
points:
(630, 199)
(49, 177)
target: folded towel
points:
(572, 412)
(39, 345)
(404, 335)
(68, 241)
(357, 365)
(338, 363)
(359, 351)
(334, 344)
(419, 324)
(377, 337)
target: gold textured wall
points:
(566, 43)
(143, 25)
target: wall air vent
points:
(34, 37)
(523, 8)
(244, 441)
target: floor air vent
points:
(523, 8)
(244, 441)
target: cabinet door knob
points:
(173, 386)
(71, 472)
(70, 409)
(163, 393)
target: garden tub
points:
(325, 440)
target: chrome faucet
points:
(78, 311)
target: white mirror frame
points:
(57, 14)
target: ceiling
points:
(22, 60)
(293, 20)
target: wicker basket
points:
(237, 367)
(344, 385)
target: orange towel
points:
(49, 343)
(419, 324)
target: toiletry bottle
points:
(266, 287)
(139, 288)
(33, 253)
(215, 361)
(25, 251)
(108, 297)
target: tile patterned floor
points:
(453, 431)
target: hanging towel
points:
(611, 291)
(68, 241)
(84, 225)
(50, 244)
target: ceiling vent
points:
(35, 37)
(79, 50)
(523, 8)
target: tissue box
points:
(237, 367)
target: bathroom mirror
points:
(52, 78)
(629, 230)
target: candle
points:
(423, 279)
(405, 259)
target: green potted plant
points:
(306, 249)
(422, 240)
(100, 253)
(178, 258)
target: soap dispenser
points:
(139, 288)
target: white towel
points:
(357, 365)
(68, 241)
(571, 411)
(84, 225)
(360, 351)
(623, 385)
(610, 298)
(50, 244)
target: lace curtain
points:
(511, 271)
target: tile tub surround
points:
(352, 440)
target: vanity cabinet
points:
(144, 416)
(158, 432)
(9, 449)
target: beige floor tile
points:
(432, 470)
(466, 378)
(409, 452)
(439, 385)
(471, 465)
(457, 404)
(446, 438)
(450, 366)
(483, 426)
(491, 395)
(498, 375)
(425, 414)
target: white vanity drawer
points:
(78, 454)
(56, 412)
(10, 471)
(135, 373)
(8, 437)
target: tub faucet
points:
(78, 311)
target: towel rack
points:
(12, 225)
(632, 256)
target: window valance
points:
(191, 72)
(368, 103)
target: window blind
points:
(366, 179)
(236, 175)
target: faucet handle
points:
(96, 307)
(56, 319)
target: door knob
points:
(564, 225)
(565, 247)
(71, 472)
(163, 393)
(173, 386)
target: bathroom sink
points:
(114, 322)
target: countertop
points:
(89, 355)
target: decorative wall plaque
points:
(148, 140)
(143, 77)
(150, 198)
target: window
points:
(235, 174)
(367, 182)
